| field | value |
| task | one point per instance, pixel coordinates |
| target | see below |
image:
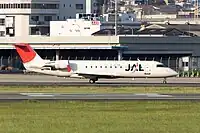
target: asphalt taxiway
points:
(21, 79)
(95, 97)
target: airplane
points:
(92, 69)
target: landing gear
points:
(165, 81)
(92, 81)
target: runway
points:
(21, 79)
(17, 79)
(95, 97)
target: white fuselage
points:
(123, 68)
(115, 69)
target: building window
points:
(79, 6)
(64, 5)
(44, 6)
(58, 18)
(12, 6)
(22, 6)
(27, 5)
(15, 5)
(2, 33)
(35, 31)
(94, 11)
(64, 18)
(95, 4)
(35, 18)
(2, 21)
(70, 5)
(47, 18)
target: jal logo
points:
(136, 67)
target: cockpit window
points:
(160, 65)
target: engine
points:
(57, 65)
(61, 65)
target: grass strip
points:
(100, 117)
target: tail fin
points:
(28, 55)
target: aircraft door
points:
(147, 71)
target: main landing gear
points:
(165, 81)
(93, 80)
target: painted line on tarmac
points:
(152, 95)
(38, 94)
(94, 95)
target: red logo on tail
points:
(25, 52)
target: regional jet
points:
(92, 69)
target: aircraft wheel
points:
(92, 81)
(165, 81)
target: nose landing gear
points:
(165, 81)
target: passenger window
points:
(85, 66)
(110, 66)
(91, 66)
(115, 66)
(96, 66)
(120, 66)
(105, 66)
(160, 65)
(100, 66)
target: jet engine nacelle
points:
(61, 65)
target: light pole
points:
(116, 17)
(197, 9)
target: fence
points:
(186, 67)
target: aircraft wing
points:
(100, 75)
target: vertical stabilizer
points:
(28, 56)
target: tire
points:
(91, 81)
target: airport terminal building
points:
(88, 41)
(171, 50)
(77, 39)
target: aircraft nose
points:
(171, 72)
(174, 73)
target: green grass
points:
(100, 117)
(93, 89)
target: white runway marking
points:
(93, 95)
(38, 94)
(152, 95)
